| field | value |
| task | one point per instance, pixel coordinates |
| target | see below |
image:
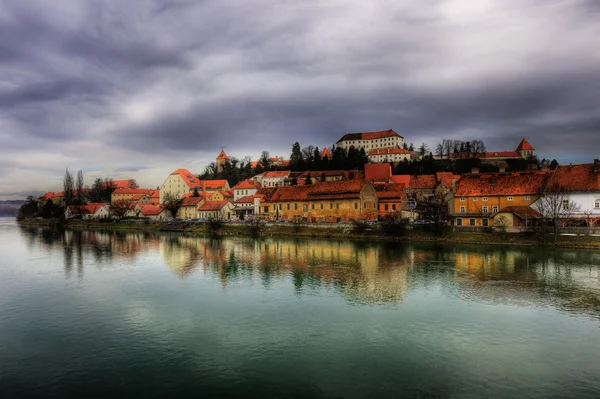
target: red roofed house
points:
(378, 172)
(523, 151)
(371, 140)
(388, 155)
(274, 178)
(221, 195)
(216, 210)
(247, 206)
(323, 201)
(392, 201)
(130, 183)
(188, 208)
(180, 182)
(516, 217)
(153, 212)
(127, 194)
(479, 197)
(90, 211)
(582, 186)
(245, 188)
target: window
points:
(484, 209)
(356, 205)
(510, 198)
(495, 209)
(374, 206)
(462, 199)
(280, 206)
(393, 207)
(462, 209)
(321, 206)
(337, 205)
(474, 198)
(484, 199)
(471, 222)
(266, 209)
(295, 207)
(365, 205)
(331, 205)
(565, 204)
(312, 206)
(459, 222)
(597, 204)
(288, 207)
(305, 207)
(485, 222)
(527, 198)
(386, 207)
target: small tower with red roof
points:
(222, 159)
(525, 149)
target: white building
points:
(180, 182)
(272, 178)
(245, 188)
(389, 155)
(371, 140)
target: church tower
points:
(222, 159)
(525, 149)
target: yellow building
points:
(130, 194)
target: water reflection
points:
(361, 272)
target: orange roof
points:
(187, 176)
(512, 183)
(129, 183)
(246, 199)
(213, 184)
(137, 197)
(389, 191)
(154, 193)
(385, 151)
(369, 135)
(132, 191)
(523, 212)
(47, 196)
(226, 193)
(335, 189)
(446, 178)
(378, 172)
(222, 155)
(583, 177)
(276, 173)
(191, 201)
(423, 182)
(247, 184)
(326, 153)
(319, 173)
(401, 179)
(490, 154)
(88, 209)
(212, 205)
(524, 146)
(150, 210)
(291, 193)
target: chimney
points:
(204, 190)
(474, 170)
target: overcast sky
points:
(137, 89)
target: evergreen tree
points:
(308, 179)
(79, 186)
(323, 178)
(411, 147)
(68, 187)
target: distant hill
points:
(10, 208)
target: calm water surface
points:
(90, 314)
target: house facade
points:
(479, 197)
(223, 210)
(245, 188)
(389, 155)
(179, 183)
(371, 140)
(274, 178)
(89, 211)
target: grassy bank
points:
(370, 233)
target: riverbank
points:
(324, 231)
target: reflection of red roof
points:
(378, 172)
(212, 205)
(512, 183)
(423, 182)
(247, 184)
(369, 135)
(523, 212)
(584, 177)
(386, 151)
(187, 176)
(524, 146)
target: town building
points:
(479, 197)
(130, 194)
(188, 208)
(389, 155)
(245, 188)
(275, 178)
(90, 211)
(182, 182)
(222, 159)
(153, 212)
(371, 140)
(222, 210)
(523, 151)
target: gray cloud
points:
(111, 86)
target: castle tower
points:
(525, 149)
(222, 159)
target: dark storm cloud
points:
(118, 85)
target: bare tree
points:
(120, 207)
(79, 186)
(554, 206)
(68, 187)
(172, 203)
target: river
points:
(111, 314)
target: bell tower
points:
(222, 159)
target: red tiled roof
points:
(523, 212)
(132, 191)
(191, 201)
(151, 210)
(226, 193)
(88, 209)
(187, 176)
(401, 179)
(369, 135)
(129, 183)
(446, 178)
(47, 196)
(212, 205)
(213, 184)
(386, 151)
(512, 183)
(583, 177)
(378, 172)
(319, 173)
(291, 193)
(276, 173)
(423, 182)
(137, 197)
(222, 155)
(154, 193)
(389, 191)
(490, 154)
(245, 200)
(326, 153)
(247, 184)
(524, 146)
